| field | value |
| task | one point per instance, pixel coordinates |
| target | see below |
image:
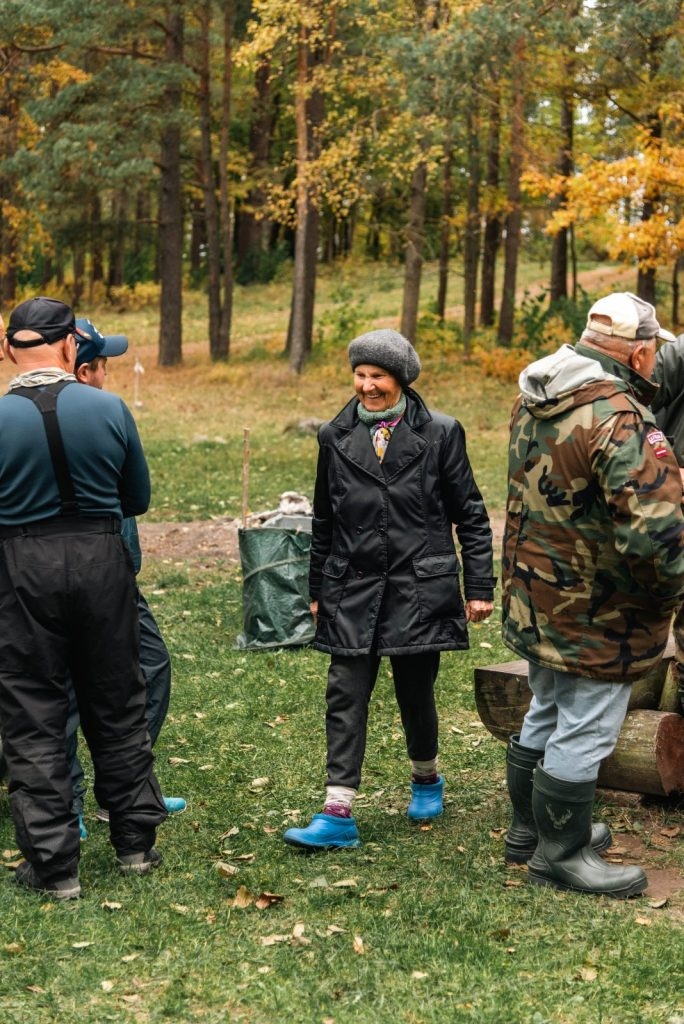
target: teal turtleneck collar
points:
(369, 418)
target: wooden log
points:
(502, 695)
(669, 695)
(648, 756)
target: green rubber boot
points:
(521, 838)
(564, 858)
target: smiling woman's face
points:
(376, 389)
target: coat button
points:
(359, 575)
(359, 529)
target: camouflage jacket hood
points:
(593, 552)
(552, 385)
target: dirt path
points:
(211, 543)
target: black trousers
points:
(68, 606)
(155, 665)
(351, 681)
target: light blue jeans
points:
(576, 721)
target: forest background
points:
(153, 146)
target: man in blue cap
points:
(92, 351)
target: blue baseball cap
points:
(90, 343)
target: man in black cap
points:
(71, 466)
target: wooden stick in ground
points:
(245, 476)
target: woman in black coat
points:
(393, 480)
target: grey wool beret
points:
(389, 350)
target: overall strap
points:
(46, 401)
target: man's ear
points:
(8, 351)
(69, 352)
(636, 357)
(82, 373)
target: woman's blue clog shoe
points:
(326, 832)
(426, 800)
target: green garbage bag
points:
(275, 588)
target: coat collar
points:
(643, 388)
(407, 443)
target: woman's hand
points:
(478, 611)
(313, 608)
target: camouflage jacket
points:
(593, 550)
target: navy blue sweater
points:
(103, 449)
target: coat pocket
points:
(439, 594)
(333, 582)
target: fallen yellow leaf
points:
(243, 898)
(268, 899)
(226, 870)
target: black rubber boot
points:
(563, 858)
(521, 838)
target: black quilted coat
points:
(384, 568)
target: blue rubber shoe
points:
(326, 832)
(426, 800)
(83, 831)
(174, 804)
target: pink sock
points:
(338, 810)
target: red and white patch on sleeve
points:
(656, 439)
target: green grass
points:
(443, 932)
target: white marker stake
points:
(138, 370)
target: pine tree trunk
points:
(116, 255)
(308, 116)
(211, 210)
(97, 254)
(513, 192)
(414, 253)
(646, 276)
(298, 343)
(224, 195)
(492, 230)
(674, 313)
(559, 247)
(445, 233)
(171, 210)
(471, 252)
(253, 232)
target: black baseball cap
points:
(50, 319)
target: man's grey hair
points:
(608, 341)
